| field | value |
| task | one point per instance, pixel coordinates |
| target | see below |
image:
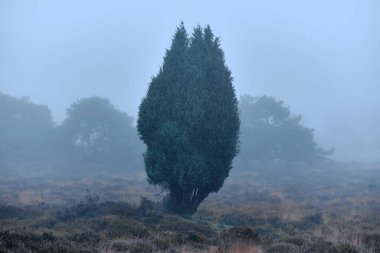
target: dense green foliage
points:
(95, 130)
(189, 121)
(25, 129)
(270, 132)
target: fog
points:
(322, 58)
(121, 129)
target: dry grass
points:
(270, 210)
(241, 247)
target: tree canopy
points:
(95, 130)
(189, 121)
(25, 129)
(270, 131)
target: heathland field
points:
(329, 207)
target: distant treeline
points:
(94, 131)
(270, 132)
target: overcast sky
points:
(321, 57)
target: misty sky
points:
(321, 57)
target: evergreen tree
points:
(189, 121)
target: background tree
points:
(189, 121)
(95, 131)
(270, 132)
(25, 129)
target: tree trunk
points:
(184, 202)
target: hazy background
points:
(321, 57)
